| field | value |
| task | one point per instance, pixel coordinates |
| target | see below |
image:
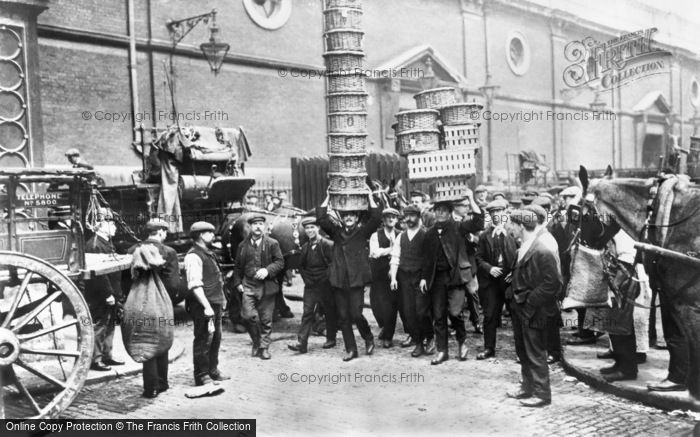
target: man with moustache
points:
(495, 257)
(258, 262)
(316, 256)
(383, 300)
(472, 303)
(406, 264)
(349, 271)
(536, 281)
(446, 271)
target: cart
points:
(46, 333)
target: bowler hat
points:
(202, 227)
(155, 224)
(256, 218)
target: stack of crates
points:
(442, 149)
(346, 104)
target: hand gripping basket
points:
(356, 4)
(423, 119)
(349, 200)
(342, 18)
(435, 98)
(347, 143)
(343, 61)
(460, 113)
(347, 163)
(418, 140)
(347, 102)
(461, 136)
(347, 181)
(343, 39)
(441, 164)
(346, 82)
(350, 122)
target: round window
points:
(695, 92)
(517, 53)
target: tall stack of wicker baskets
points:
(347, 104)
(440, 141)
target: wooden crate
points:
(442, 164)
(461, 136)
(446, 188)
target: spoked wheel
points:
(46, 338)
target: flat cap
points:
(542, 201)
(538, 210)
(155, 224)
(202, 227)
(308, 221)
(463, 202)
(547, 195)
(497, 204)
(480, 189)
(256, 218)
(527, 199)
(412, 209)
(570, 191)
(499, 194)
(415, 193)
(524, 217)
(390, 211)
(72, 152)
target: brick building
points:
(76, 56)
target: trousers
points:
(492, 298)
(447, 302)
(530, 346)
(318, 295)
(414, 306)
(104, 335)
(155, 373)
(349, 303)
(385, 307)
(205, 347)
(257, 310)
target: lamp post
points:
(213, 50)
(488, 90)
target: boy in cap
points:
(383, 301)
(495, 257)
(316, 256)
(480, 195)
(349, 271)
(103, 294)
(205, 303)
(258, 262)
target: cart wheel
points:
(46, 338)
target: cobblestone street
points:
(455, 397)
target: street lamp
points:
(214, 51)
(488, 90)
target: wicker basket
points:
(342, 18)
(462, 136)
(346, 82)
(349, 201)
(347, 181)
(442, 164)
(356, 4)
(418, 140)
(417, 119)
(343, 61)
(347, 143)
(347, 163)
(343, 40)
(435, 98)
(352, 122)
(460, 113)
(347, 102)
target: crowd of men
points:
(430, 265)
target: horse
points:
(625, 200)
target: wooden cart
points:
(46, 333)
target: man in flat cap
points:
(446, 271)
(405, 271)
(316, 256)
(480, 195)
(103, 293)
(495, 257)
(258, 262)
(499, 195)
(536, 281)
(383, 300)
(205, 303)
(155, 370)
(349, 272)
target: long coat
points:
(270, 258)
(453, 242)
(350, 265)
(486, 257)
(537, 280)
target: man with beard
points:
(258, 262)
(495, 257)
(383, 300)
(536, 281)
(316, 256)
(349, 272)
(405, 272)
(446, 271)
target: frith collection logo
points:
(616, 62)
